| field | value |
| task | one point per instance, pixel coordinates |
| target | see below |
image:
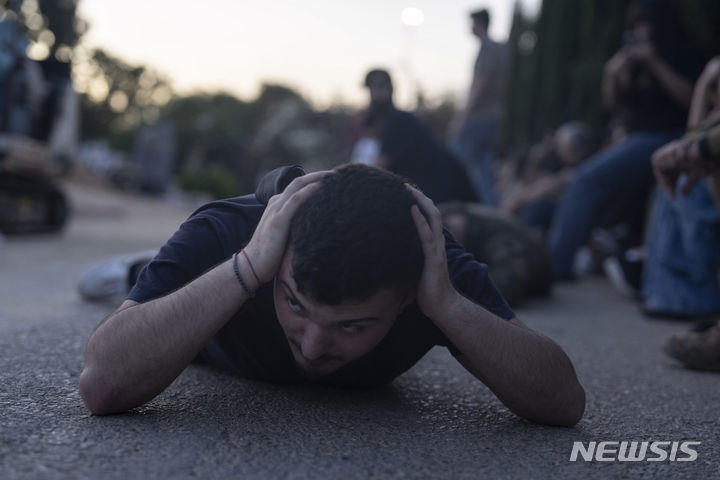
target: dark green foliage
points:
(133, 96)
(216, 180)
(56, 16)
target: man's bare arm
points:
(677, 86)
(705, 88)
(141, 348)
(527, 371)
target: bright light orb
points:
(412, 17)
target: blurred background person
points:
(680, 168)
(680, 279)
(400, 142)
(515, 255)
(648, 86)
(473, 132)
(547, 170)
(39, 122)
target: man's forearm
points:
(140, 349)
(678, 87)
(528, 372)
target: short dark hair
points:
(355, 236)
(482, 16)
(379, 74)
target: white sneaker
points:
(583, 263)
(614, 272)
(110, 279)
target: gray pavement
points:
(433, 422)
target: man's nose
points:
(314, 343)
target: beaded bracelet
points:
(239, 277)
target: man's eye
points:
(294, 304)
(350, 327)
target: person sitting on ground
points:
(400, 142)
(681, 165)
(648, 85)
(681, 276)
(342, 277)
(535, 196)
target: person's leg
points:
(474, 147)
(607, 183)
(538, 215)
(681, 272)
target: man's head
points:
(574, 142)
(480, 22)
(379, 84)
(352, 264)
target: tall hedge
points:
(558, 78)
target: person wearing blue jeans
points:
(473, 132)
(475, 147)
(609, 186)
(648, 86)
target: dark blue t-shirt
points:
(252, 343)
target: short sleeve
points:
(210, 236)
(471, 278)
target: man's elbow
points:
(563, 408)
(574, 407)
(97, 396)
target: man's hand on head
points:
(435, 291)
(267, 245)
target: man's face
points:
(323, 338)
(564, 148)
(642, 30)
(479, 29)
(380, 91)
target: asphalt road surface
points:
(433, 422)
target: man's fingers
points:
(303, 181)
(429, 208)
(666, 184)
(423, 229)
(692, 178)
(278, 200)
(294, 200)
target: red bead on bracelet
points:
(252, 269)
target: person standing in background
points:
(474, 130)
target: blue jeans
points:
(475, 147)
(538, 215)
(604, 189)
(681, 271)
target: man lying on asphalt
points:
(346, 278)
